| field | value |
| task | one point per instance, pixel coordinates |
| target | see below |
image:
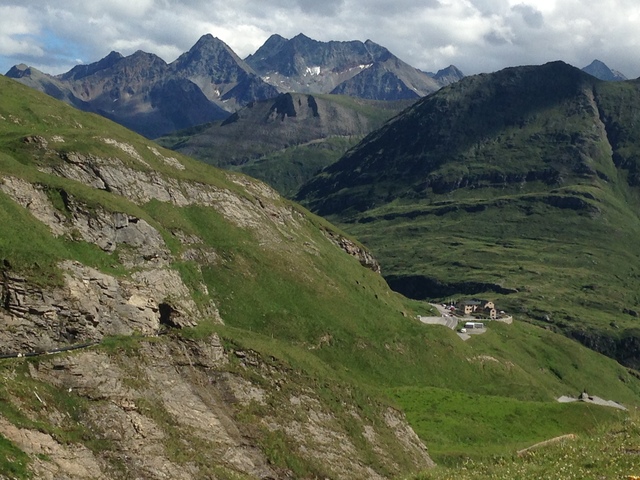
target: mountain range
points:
(209, 82)
(364, 70)
(163, 318)
(288, 152)
(522, 183)
(147, 95)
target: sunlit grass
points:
(610, 453)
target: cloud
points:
(18, 32)
(475, 35)
(531, 16)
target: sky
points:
(474, 35)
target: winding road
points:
(445, 318)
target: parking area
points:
(451, 321)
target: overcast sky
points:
(475, 35)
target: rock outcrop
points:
(352, 248)
(156, 415)
(91, 305)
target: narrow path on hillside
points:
(51, 351)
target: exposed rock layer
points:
(155, 413)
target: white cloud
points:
(18, 32)
(475, 35)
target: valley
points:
(228, 332)
(536, 205)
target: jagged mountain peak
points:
(450, 69)
(600, 70)
(138, 64)
(448, 75)
(82, 71)
(19, 71)
(302, 38)
(275, 41)
(275, 37)
(208, 41)
(311, 66)
(209, 53)
(141, 55)
(377, 51)
(221, 74)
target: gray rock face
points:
(360, 69)
(186, 393)
(143, 185)
(364, 257)
(105, 229)
(448, 75)
(91, 305)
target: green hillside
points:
(519, 185)
(236, 335)
(286, 140)
(610, 452)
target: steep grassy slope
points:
(519, 185)
(238, 335)
(286, 140)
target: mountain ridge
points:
(121, 88)
(285, 140)
(309, 66)
(227, 81)
(549, 151)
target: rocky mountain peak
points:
(365, 70)
(138, 69)
(301, 38)
(448, 75)
(209, 43)
(273, 44)
(600, 70)
(81, 71)
(209, 56)
(378, 52)
(19, 71)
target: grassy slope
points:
(610, 452)
(284, 153)
(459, 426)
(314, 309)
(534, 192)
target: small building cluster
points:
(483, 308)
